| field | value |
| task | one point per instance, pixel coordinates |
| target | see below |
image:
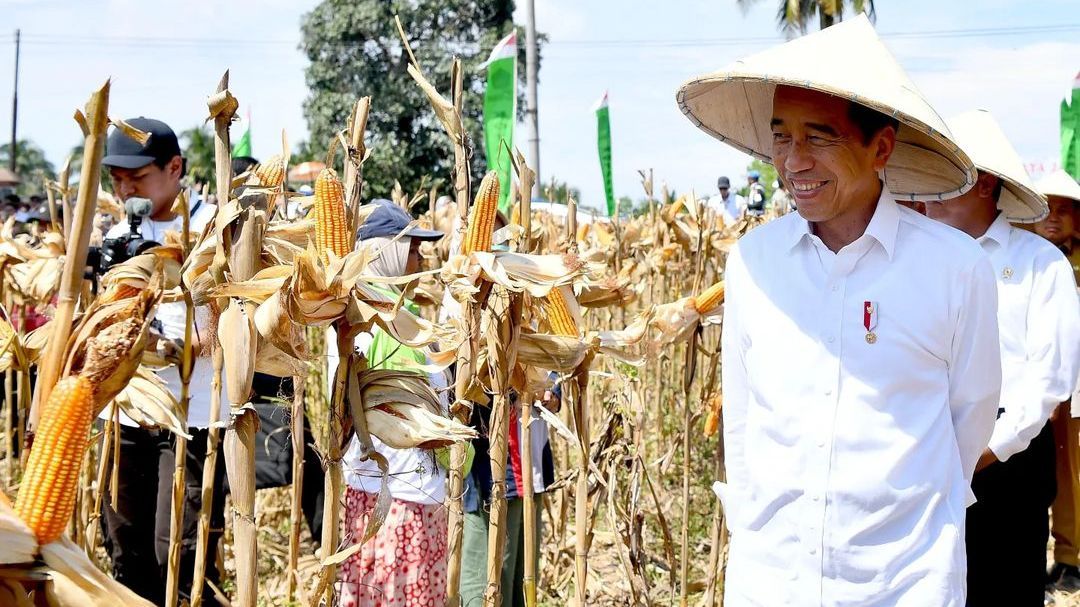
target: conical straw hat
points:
(847, 60)
(1059, 183)
(980, 136)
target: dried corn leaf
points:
(77, 582)
(402, 410)
(149, 402)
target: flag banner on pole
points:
(1070, 132)
(242, 147)
(500, 108)
(603, 142)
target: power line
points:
(163, 42)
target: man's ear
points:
(986, 185)
(175, 168)
(884, 143)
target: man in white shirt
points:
(727, 203)
(1007, 529)
(860, 347)
(137, 532)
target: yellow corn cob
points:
(331, 225)
(559, 318)
(482, 217)
(709, 299)
(47, 494)
(118, 291)
(712, 422)
(272, 172)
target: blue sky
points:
(1019, 78)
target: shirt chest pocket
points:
(897, 329)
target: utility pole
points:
(531, 119)
(15, 107)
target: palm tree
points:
(31, 165)
(199, 153)
(793, 16)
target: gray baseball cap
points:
(388, 220)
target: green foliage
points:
(794, 16)
(354, 50)
(30, 165)
(768, 177)
(198, 144)
(560, 192)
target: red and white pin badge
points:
(870, 316)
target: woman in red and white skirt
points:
(404, 564)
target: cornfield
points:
(625, 312)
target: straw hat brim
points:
(980, 134)
(1060, 184)
(849, 61)
(925, 164)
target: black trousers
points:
(136, 535)
(1008, 527)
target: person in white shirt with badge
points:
(136, 534)
(860, 346)
(1008, 528)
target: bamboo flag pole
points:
(95, 123)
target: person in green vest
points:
(405, 563)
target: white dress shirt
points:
(1038, 312)
(849, 463)
(731, 208)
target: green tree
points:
(199, 152)
(354, 50)
(75, 170)
(794, 16)
(560, 192)
(30, 165)
(768, 177)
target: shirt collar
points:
(883, 225)
(997, 232)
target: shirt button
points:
(813, 550)
(832, 339)
(815, 497)
(821, 444)
(835, 288)
(828, 391)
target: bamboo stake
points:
(176, 515)
(689, 368)
(297, 426)
(505, 310)
(466, 359)
(332, 483)
(95, 123)
(213, 441)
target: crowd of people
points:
(901, 347)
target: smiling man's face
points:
(823, 155)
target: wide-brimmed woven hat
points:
(1059, 183)
(982, 138)
(847, 60)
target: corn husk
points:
(149, 402)
(402, 410)
(238, 338)
(516, 272)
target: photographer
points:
(147, 178)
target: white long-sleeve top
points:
(1038, 316)
(849, 463)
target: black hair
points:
(869, 121)
(161, 163)
(241, 164)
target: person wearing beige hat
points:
(1060, 228)
(860, 347)
(1008, 527)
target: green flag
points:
(500, 108)
(603, 142)
(242, 147)
(1070, 132)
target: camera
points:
(122, 248)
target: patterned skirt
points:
(404, 565)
